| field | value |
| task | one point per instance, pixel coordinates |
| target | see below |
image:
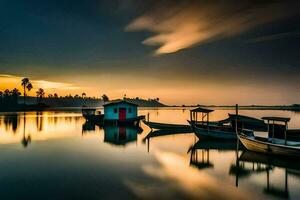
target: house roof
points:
(278, 119)
(119, 102)
(204, 110)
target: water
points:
(54, 155)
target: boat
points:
(245, 122)
(164, 126)
(216, 130)
(270, 146)
(280, 130)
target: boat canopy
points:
(203, 110)
(241, 118)
(278, 119)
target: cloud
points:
(276, 36)
(184, 24)
(15, 81)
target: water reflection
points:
(29, 126)
(250, 164)
(179, 166)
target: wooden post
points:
(236, 118)
(268, 128)
(285, 128)
(208, 121)
(148, 115)
(191, 116)
(273, 131)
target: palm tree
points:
(55, 96)
(26, 85)
(83, 95)
(15, 94)
(40, 94)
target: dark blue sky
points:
(89, 42)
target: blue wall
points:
(109, 113)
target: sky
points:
(184, 52)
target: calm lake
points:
(55, 155)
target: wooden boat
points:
(164, 126)
(216, 132)
(245, 122)
(270, 146)
(280, 131)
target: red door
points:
(122, 113)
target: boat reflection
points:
(251, 163)
(200, 151)
(161, 133)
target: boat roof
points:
(119, 102)
(203, 110)
(278, 119)
(243, 118)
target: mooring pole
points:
(236, 117)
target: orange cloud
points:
(177, 27)
(10, 81)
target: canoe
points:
(164, 126)
(213, 131)
(265, 145)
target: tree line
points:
(10, 97)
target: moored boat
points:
(216, 130)
(270, 146)
(165, 126)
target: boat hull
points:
(253, 144)
(163, 126)
(215, 132)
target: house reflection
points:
(121, 135)
(250, 163)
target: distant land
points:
(89, 102)
(52, 103)
(293, 107)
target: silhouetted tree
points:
(26, 85)
(83, 95)
(15, 93)
(55, 96)
(40, 94)
(105, 98)
(1, 97)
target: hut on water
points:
(120, 111)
